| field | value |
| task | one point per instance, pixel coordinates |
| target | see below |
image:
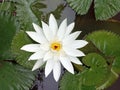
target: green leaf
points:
(69, 82)
(107, 43)
(97, 70)
(19, 40)
(8, 28)
(25, 14)
(7, 6)
(73, 82)
(80, 6)
(88, 87)
(116, 65)
(15, 77)
(104, 9)
(111, 79)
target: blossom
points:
(55, 47)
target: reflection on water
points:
(59, 8)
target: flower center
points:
(56, 46)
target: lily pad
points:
(24, 13)
(97, 71)
(116, 65)
(21, 57)
(103, 9)
(8, 28)
(106, 42)
(73, 82)
(69, 82)
(15, 77)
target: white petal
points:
(37, 28)
(67, 64)
(48, 55)
(53, 24)
(46, 31)
(45, 46)
(75, 60)
(31, 47)
(49, 66)
(62, 29)
(38, 64)
(70, 28)
(57, 71)
(75, 44)
(71, 37)
(79, 43)
(37, 55)
(73, 52)
(36, 37)
(40, 32)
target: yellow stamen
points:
(56, 46)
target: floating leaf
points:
(69, 82)
(107, 42)
(19, 40)
(73, 82)
(8, 28)
(88, 87)
(80, 6)
(7, 6)
(112, 77)
(97, 72)
(116, 65)
(104, 9)
(107, 45)
(25, 14)
(15, 77)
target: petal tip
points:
(33, 69)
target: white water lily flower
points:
(55, 46)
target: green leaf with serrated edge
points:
(111, 79)
(8, 28)
(107, 42)
(104, 9)
(80, 6)
(97, 72)
(20, 40)
(116, 65)
(69, 82)
(15, 77)
(29, 11)
(25, 14)
(7, 6)
(73, 82)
